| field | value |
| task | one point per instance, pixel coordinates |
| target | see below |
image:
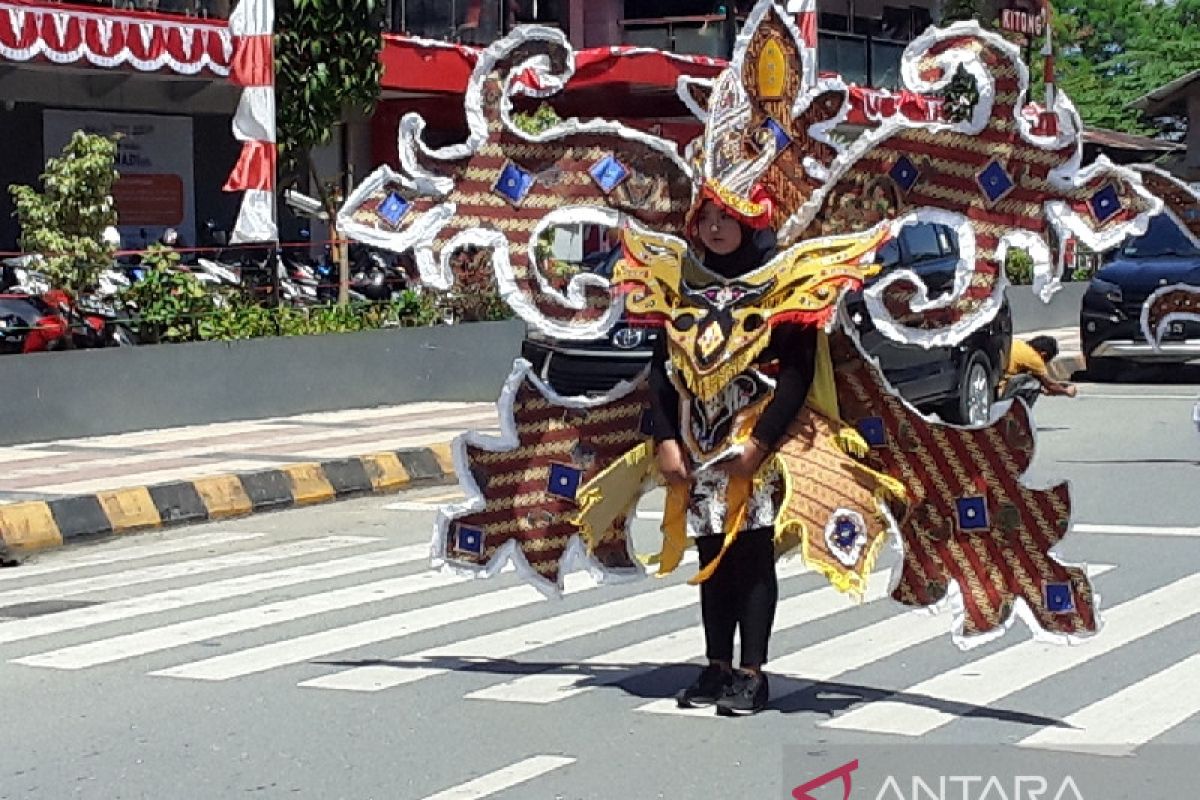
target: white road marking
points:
(988, 679)
(502, 779)
(514, 641)
(115, 554)
(173, 599)
(336, 640)
(153, 640)
(180, 569)
(857, 648)
(1137, 530)
(1121, 722)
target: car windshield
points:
(1162, 238)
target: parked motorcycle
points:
(29, 325)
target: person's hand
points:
(672, 462)
(1071, 391)
(746, 464)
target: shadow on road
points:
(1169, 375)
(658, 682)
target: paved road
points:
(311, 654)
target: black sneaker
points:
(746, 694)
(708, 688)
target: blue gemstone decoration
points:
(905, 173)
(1059, 598)
(564, 481)
(782, 140)
(972, 513)
(872, 431)
(609, 173)
(468, 540)
(1105, 203)
(994, 181)
(845, 533)
(393, 209)
(514, 183)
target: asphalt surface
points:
(311, 654)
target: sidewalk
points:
(51, 470)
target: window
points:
(656, 9)
(922, 243)
(888, 255)
(546, 12)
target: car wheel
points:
(973, 403)
(1103, 369)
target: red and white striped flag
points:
(252, 24)
(806, 19)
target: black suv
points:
(1110, 319)
(958, 383)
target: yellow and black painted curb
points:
(48, 524)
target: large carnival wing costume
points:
(556, 491)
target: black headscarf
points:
(756, 249)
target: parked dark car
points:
(958, 383)
(1110, 317)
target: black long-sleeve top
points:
(792, 346)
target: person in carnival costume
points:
(742, 593)
(771, 429)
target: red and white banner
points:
(806, 19)
(147, 42)
(253, 68)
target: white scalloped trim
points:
(419, 236)
(1154, 337)
(575, 558)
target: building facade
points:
(155, 72)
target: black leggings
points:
(741, 594)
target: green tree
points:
(65, 222)
(327, 64)
(1118, 50)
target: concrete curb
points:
(1066, 365)
(49, 524)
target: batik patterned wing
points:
(503, 186)
(973, 523)
(522, 488)
(1002, 179)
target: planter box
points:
(1031, 314)
(48, 396)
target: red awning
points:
(425, 65)
(66, 34)
(606, 79)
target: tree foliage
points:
(327, 60)
(1115, 51)
(65, 221)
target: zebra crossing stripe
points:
(1118, 724)
(855, 649)
(133, 553)
(986, 680)
(179, 569)
(172, 599)
(514, 641)
(336, 640)
(153, 640)
(676, 646)
(501, 779)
